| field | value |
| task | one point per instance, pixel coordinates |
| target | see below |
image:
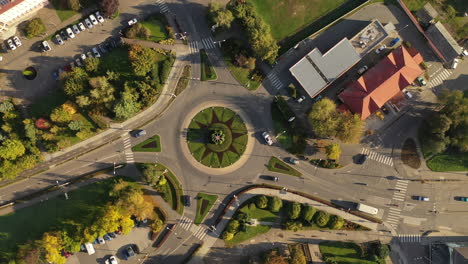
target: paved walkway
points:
(211, 240)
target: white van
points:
(89, 248)
(455, 63)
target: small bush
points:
(227, 236)
(261, 201)
(294, 210)
(308, 213)
(293, 225)
(252, 206)
(233, 226)
(321, 218)
(34, 27)
(275, 204)
(336, 222)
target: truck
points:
(367, 209)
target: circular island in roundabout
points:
(217, 137)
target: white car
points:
(76, 29)
(93, 19)
(59, 39)
(83, 57)
(267, 138)
(111, 260)
(380, 49)
(70, 33)
(11, 45)
(300, 99)
(81, 26)
(96, 53)
(78, 62)
(45, 46)
(89, 54)
(101, 240)
(99, 17)
(132, 22)
(88, 23)
(17, 41)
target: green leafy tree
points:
(109, 7)
(102, 92)
(275, 204)
(223, 18)
(321, 218)
(64, 143)
(30, 130)
(157, 225)
(336, 222)
(52, 246)
(70, 244)
(294, 210)
(11, 149)
(32, 252)
(60, 115)
(83, 100)
(293, 225)
(75, 82)
(233, 226)
(261, 201)
(74, 4)
(297, 255)
(6, 106)
(34, 27)
(323, 118)
(141, 59)
(274, 257)
(350, 129)
(75, 125)
(227, 236)
(308, 213)
(383, 251)
(92, 64)
(333, 151)
(127, 106)
(127, 224)
(84, 134)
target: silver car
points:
(96, 53)
(76, 29)
(17, 41)
(93, 19)
(59, 39)
(70, 33)
(88, 23)
(11, 45)
(81, 26)
(267, 138)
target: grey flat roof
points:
(316, 70)
(444, 41)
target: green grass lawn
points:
(44, 106)
(184, 79)
(62, 11)
(449, 161)
(157, 27)
(281, 128)
(207, 70)
(152, 144)
(287, 17)
(206, 201)
(344, 253)
(241, 75)
(31, 222)
(277, 165)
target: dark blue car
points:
(394, 41)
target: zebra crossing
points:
(393, 217)
(129, 157)
(400, 195)
(162, 5)
(440, 78)
(201, 233)
(274, 80)
(185, 223)
(377, 157)
(409, 238)
(206, 43)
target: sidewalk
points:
(211, 240)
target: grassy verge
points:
(207, 70)
(242, 75)
(157, 25)
(184, 80)
(62, 11)
(277, 165)
(152, 144)
(346, 253)
(204, 204)
(409, 154)
(449, 161)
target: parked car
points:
(129, 252)
(317, 98)
(64, 35)
(56, 75)
(10, 44)
(59, 39)
(112, 234)
(132, 22)
(268, 178)
(76, 29)
(81, 26)
(93, 19)
(96, 53)
(107, 237)
(72, 64)
(455, 63)
(421, 81)
(187, 200)
(137, 133)
(293, 161)
(89, 54)
(100, 240)
(380, 49)
(362, 69)
(78, 62)
(385, 110)
(88, 23)
(362, 159)
(83, 57)
(70, 33)
(421, 198)
(102, 48)
(17, 41)
(301, 98)
(267, 138)
(462, 199)
(111, 260)
(45, 46)
(408, 94)
(99, 17)
(393, 42)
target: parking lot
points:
(139, 236)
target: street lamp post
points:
(114, 167)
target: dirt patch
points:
(409, 154)
(203, 206)
(151, 144)
(281, 167)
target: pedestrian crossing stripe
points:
(162, 5)
(208, 43)
(185, 222)
(440, 78)
(200, 233)
(193, 47)
(274, 80)
(378, 157)
(409, 238)
(392, 209)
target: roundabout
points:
(217, 137)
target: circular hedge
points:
(217, 137)
(30, 73)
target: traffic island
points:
(279, 166)
(204, 203)
(152, 144)
(207, 70)
(217, 137)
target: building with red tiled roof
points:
(383, 82)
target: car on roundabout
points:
(267, 138)
(268, 178)
(132, 22)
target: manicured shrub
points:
(294, 210)
(321, 218)
(34, 27)
(293, 225)
(261, 201)
(227, 236)
(308, 213)
(275, 204)
(233, 226)
(336, 222)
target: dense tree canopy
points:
(109, 7)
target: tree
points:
(83, 100)
(126, 224)
(110, 219)
(70, 244)
(84, 133)
(336, 222)
(34, 27)
(323, 118)
(294, 210)
(440, 124)
(92, 64)
(308, 213)
(31, 252)
(52, 246)
(75, 82)
(60, 115)
(350, 129)
(11, 149)
(102, 91)
(75, 125)
(109, 7)
(6, 106)
(297, 255)
(64, 143)
(74, 4)
(141, 59)
(382, 251)
(261, 201)
(333, 151)
(321, 218)
(275, 204)
(30, 130)
(273, 257)
(157, 225)
(227, 236)
(233, 226)
(127, 106)
(293, 225)
(223, 18)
